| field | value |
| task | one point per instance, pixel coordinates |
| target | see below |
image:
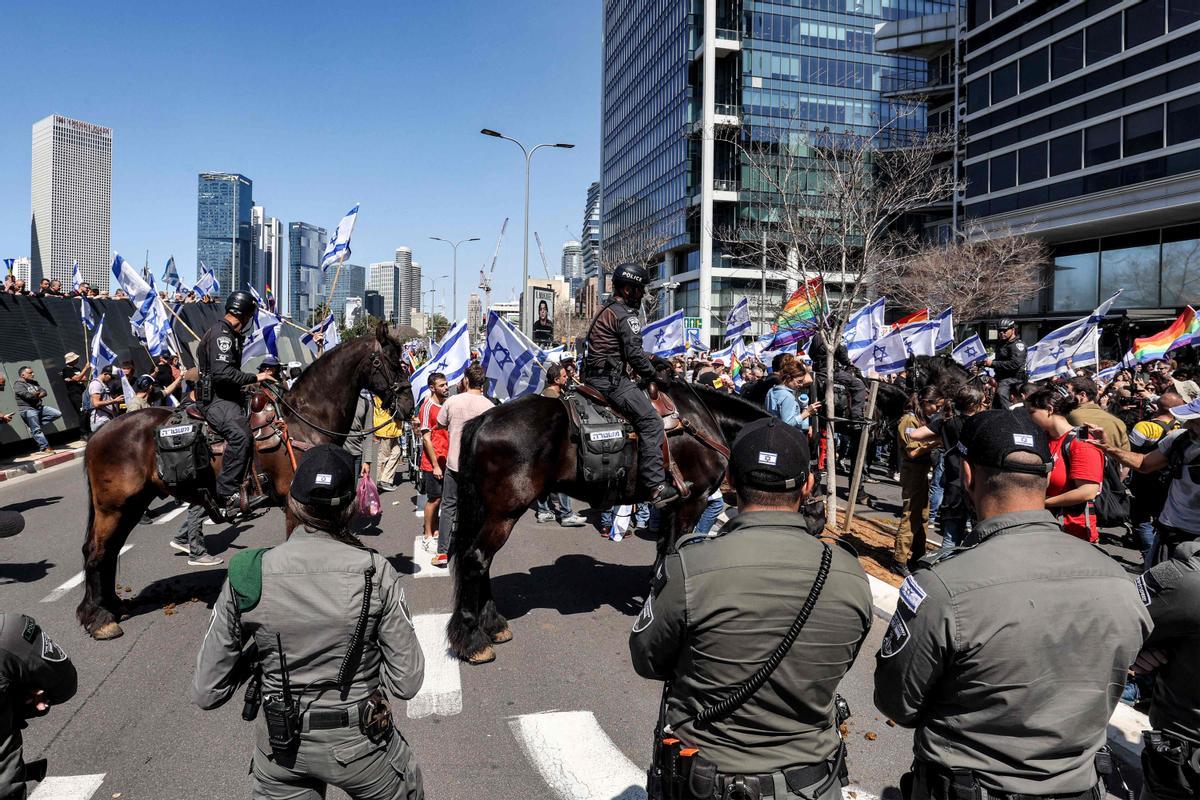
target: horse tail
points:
(468, 518)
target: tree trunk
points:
(830, 447)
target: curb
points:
(40, 464)
(1125, 727)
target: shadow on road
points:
(28, 505)
(200, 587)
(574, 584)
(24, 573)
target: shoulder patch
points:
(1142, 591)
(224, 343)
(646, 617)
(634, 325)
(897, 636)
(1019, 346)
(911, 594)
(51, 651)
(31, 630)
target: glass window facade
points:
(224, 239)
(1157, 268)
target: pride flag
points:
(801, 314)
(1183, 331)
(270, 298)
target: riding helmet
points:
(1006, 323)
(241, 302)
(634, 274)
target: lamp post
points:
(454, 269)
(525, 321)
(433, 290)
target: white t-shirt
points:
(100, 415)
(1182, 509)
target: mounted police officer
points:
(1008, 654)
(219, 361)
(724, 611)
(613, 342)
(844, 372)
(325, 621)
(1009, 361)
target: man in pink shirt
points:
(456, 412)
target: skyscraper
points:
(71, 193)
(474, 315)
(572, 265)
(414, 275)
(409, 276)
(306, 243)
(351, 283)
(267, 236)
(591, 232)
(383, 277)
(684, 81)
(224, 242)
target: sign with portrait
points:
(542, 308)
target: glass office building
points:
(224, 236)
(682, 79)
(306, 244)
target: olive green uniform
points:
(1008, 657)
(719, 608)
(312, 594)
(1172, 591)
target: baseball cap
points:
(1189, 411)
(769, 455)
(325, 477)
(990, 437)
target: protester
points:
(76, 381)
(43, 288)
(104, 402)
(1078, 470)
(435, 446)
(143, 385)
(556, 505)
(32, 409)
(1087, 412)
(390, 446)
(914, 480)
(784, 399)
(1149, 490)
(454, 415)
(360, 443)
(5, 419)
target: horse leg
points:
(475, 623)
(108, 530)
(490, 619)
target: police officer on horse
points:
(1009, 361)
(219, 361)
(614, 341)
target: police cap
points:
(769, 455)
(990, 437)
(325, 477)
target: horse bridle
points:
(395, 386)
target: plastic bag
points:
(369, 504)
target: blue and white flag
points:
(261, 342)
(927, 337)
(264, 317)
(207, 283)
(864, 327)
(87, 313)
(885, 356)
(664, 337)
(1069, 347)
(102, 356)
(8, 264)
(330, 331)
(693, 341)
(130, 279)
(155, 327)
(338, 248)
(171, 275)
(76, 276)
(738, 321)
(970, 351)
(512, 363)
(1105, 376)
(451, 358)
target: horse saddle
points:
(263, 416)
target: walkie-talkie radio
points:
(283, 717)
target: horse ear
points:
(381, 333)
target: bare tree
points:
(641, 245)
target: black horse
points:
(517, 452)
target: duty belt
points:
(705, 781)
(1173, 748)
(323, 719)
(963, 784)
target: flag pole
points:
(179, 319)
(333, 287)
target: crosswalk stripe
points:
(576, 758)
(172, 515)
(421, 566)
(441, 693)
(74, 581)
(71, 787)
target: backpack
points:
(1112, 505)
(182, 455)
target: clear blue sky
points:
(321, 105)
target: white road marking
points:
(441, 693)
(421, 566)
(172, 515)
(70, 584)
(852, 792)
(576, 758)
(72, 787)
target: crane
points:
(485, 279)
(546, 266)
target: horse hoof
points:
(484, 656)
(500, 637)
(109, 630)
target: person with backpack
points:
(1149, 490)
(1078, 471)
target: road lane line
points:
(576, 758)
(70, 584)
(71, 787)
(441, 693)
(172, 515)
(421, 566)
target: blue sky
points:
(321, 105)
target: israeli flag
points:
(261, 342)
(738, 321)
(130, 279)
(76, 276)
(864, 327)
(1105, 376)
(664, 337)
(1071, 346)
(171, 275)
(451, 358)
(339, 248)
(87, 314)
(264, 317)
(969, 352)
(927, 337)
(153, 326)
(102, 356)
(207, 283)
(326, 327)
(886, 356)
(512, 363)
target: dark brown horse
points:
(122, 479)
(519, 451)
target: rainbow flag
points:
(270, 298)
(916, 316)
(801, 315)
(1182, 332)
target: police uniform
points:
(29, 661)
(219, 359)
(843, 372)
(309, 593)
(1009, 654)
(720, 606)
(1171, 757)
(1008, 364)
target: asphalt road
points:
(559, 714)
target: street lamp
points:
(455, 268)
(525, 257)
(433, 281)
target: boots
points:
(664, 494)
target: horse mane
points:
(335, 355)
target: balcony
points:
(726, 41)
(727, 115)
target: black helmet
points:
(634, 274)
(144, 383)
(240, 303)
(1005, 323)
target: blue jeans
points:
(716, 504)
(35, 418)
(641, 516)
(555, 503)
(953, 530)
(936, 490)
(1148, 538)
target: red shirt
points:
(1087, 466)
(439, 436)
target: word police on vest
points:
(325, 477)
(769, 455)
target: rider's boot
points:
(663, 495)
(231, 507)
